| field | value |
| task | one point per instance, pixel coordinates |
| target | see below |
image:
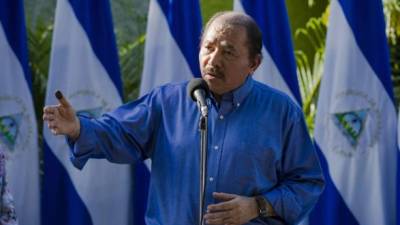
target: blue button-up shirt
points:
(258, 145)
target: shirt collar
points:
(237, 96)
(240, 93)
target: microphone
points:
(197, 89)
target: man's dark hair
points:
(254, 36)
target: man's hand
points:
(233, 209)
(61, 118)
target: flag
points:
(18, 130)
(172, 43)
(398, 172)
(355, 128)
(278, 67)
(171, 55)
(84, 66)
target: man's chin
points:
(213, 87)
(210, 80)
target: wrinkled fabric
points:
(258, 144)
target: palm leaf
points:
(310, 68)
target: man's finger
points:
(223, 206)
(223, 215)
(62, 99)
(50, 109)
(215, 221)
(54, 131)
(48, 117)
(219, 221)
(52, 124)
(223, 196)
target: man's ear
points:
(255, 63)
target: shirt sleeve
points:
(301, 179)
(124, 135)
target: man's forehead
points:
(219, 30)
(223, 24)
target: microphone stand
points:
(203, 127)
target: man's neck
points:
(217, 97)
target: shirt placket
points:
(215, 148)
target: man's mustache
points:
(214, 71)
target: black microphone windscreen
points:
(195, 84)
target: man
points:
(261, 164)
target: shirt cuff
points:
(82, 147)
(278, 200)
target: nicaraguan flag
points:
(278, 67)
(84, 66)
(355, 128)
(398, 171)
(18, 131)
(171, 55)
(172, 43)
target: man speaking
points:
(261, 164)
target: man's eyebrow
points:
(208, 41)
(228, 46)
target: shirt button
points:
(216, 147)
(237, 104)
(211, 179)
(221, 117)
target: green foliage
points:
(310, 71)
(131, 61)
(210, 7)
(39, 45)
(299, 12)
(392, 14)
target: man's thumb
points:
(61, 99)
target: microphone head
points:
(196, 84)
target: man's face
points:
(224, 57)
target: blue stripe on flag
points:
(96, 19)
(186, 32)
(271, 17)
(141, 189)
(183, 19)
(374, 47)
(330, 208)
(398, 178)
(95, 71)
(12, 19)
(68, 208)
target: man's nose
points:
(215, 58)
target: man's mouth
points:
(213, 74)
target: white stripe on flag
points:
(77, 72)
(362, 171)
(268, 72)
(163, 60)
(17, 116)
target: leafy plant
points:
(392, 14)
(310, 69)
(131, 62)
(39, 45)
